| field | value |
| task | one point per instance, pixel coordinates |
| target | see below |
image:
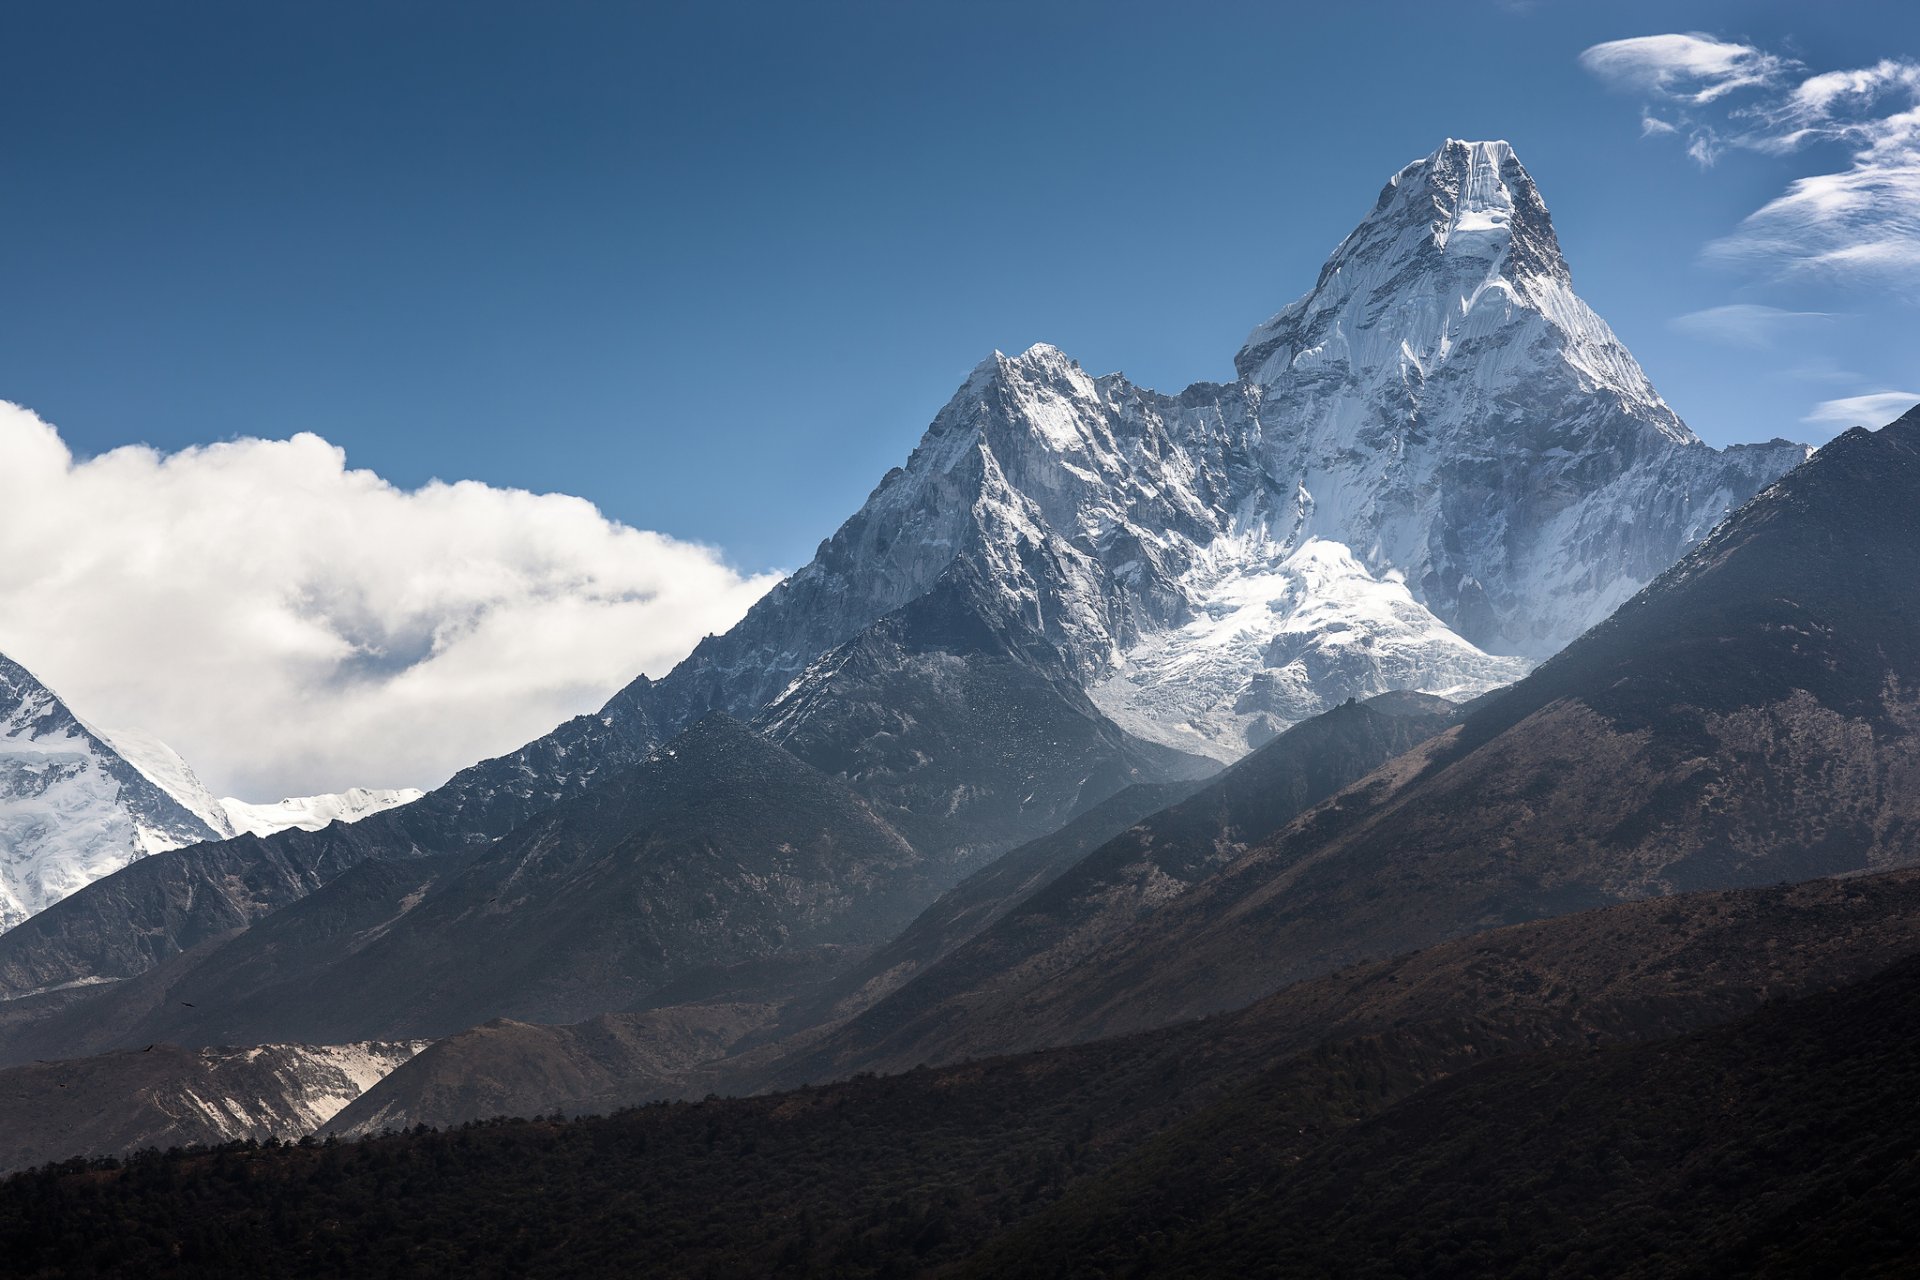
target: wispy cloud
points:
(1875, 409)
(291, 625)
(1691, 68)
(1860, 222)
(1745, 324)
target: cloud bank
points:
(1858, 223)
(292, 626)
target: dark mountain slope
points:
(126, 923)
(508, 1068)
(955, 1007)
(984, 897)
(624, 1059)
(250, 986)
(1749, 718)
(963, 726)
(721, 848)
(901, 1175)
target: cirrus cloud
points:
(1874, 409)
(291, 625)
(1745, 324)
(1858, 223)
(1690, 67)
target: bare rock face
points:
(163, 1096)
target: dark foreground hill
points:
(905, 1175)
(1781, 1145)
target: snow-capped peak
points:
(1438, 448)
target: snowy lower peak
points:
(1277, 638)
(227, 816)
(310, 813)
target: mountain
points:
(1748, 718)
(976, 903)
(504, 1067)
(310, 813)
(721, 848)
(251, 983)
(1435, 467)
(164, 768)
(72, 807)
(161, 1096)
(1432, 470)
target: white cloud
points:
(1861, 223)
(1745, 324)
(1691, 68)
(1873, 410)
(291, 626)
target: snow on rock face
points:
(310, 813)
(1273, 637)
(72, 808)
(1436, 468)
(161, 765)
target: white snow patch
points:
(310, 813)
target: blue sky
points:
(713, 267)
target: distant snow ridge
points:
(310, 813)
(1435, 468)
(227, 816)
